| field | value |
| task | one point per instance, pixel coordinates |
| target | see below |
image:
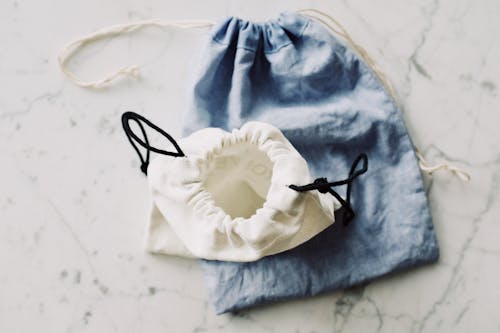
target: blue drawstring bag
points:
(293, 73)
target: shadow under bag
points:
(293, 73)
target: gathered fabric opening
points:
(238, 178)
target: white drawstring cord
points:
(73, 47)
(341, 31)
(430, 169)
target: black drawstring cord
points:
(320, 184)
(133, 138)
(323, 186)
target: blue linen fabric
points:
(293, 73)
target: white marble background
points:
(73, 202)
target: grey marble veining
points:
(73, 203)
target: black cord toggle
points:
(133, 138)
(323, 186)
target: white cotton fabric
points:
(228, 198)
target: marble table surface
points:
(73, 203)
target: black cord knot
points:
(322, 185)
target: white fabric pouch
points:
(228, 195)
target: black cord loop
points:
(323, 186)
(133, 138)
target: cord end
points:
(144, 168)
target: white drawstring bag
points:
(227, 195)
